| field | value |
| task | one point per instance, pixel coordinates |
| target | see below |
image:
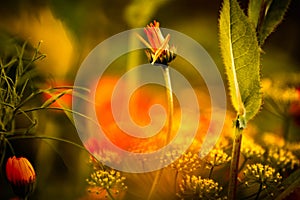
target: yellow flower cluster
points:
(282, 158)
(216, 157)
(193, 187)
(279, 91)
(250, 149)
(187, 163)
(262, 174)
(272, 139)
(109, 180)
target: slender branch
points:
(57, 108)
(259, 191)
(45, 137)
(175, 183)
(234, 167)
(3, 153)
(243, 164)
(110, 195)
(10, 146)
(211, 171)
(286, 127)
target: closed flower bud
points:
(158, 49)
(21, 176)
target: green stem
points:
(243, 164)
(169, 93)
(259, 191)
(3, 149)
(10, 146)
(57, 108)
(286, 128)
(234, 167)
(210, 172)
(110, 195)
(45, 137)
(175, 184)
(167, 78)
(155, 183)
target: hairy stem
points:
(169, 125)
(234, 167)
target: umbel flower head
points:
(251, 150)
(159, 50)
(21, 176)
(187, 163)
(282, 159)
(264, 175)
(216, 157)
(193, 187)
(107, 181)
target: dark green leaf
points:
(273, 16)
(254, 9)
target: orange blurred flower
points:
(21, 176)
(139, 106)
(158, 46)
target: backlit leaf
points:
(241, 57)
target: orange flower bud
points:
(21, 176)
(158, 48)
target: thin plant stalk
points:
(234, 167)
(169, 93)
(110, 195)
(47, 138)
(243, 164)
(210, 172)
(259, 191)
(175, 182)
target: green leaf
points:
(241, 56)
(273, 16)
(254, 9)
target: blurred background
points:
(70, 29)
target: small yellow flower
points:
(261, 174)
(250, 149)
(272, 139)
(106, 181)
(187, 163)
(159, 50)
(282, 158)
(193, 187)
(216, 157)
